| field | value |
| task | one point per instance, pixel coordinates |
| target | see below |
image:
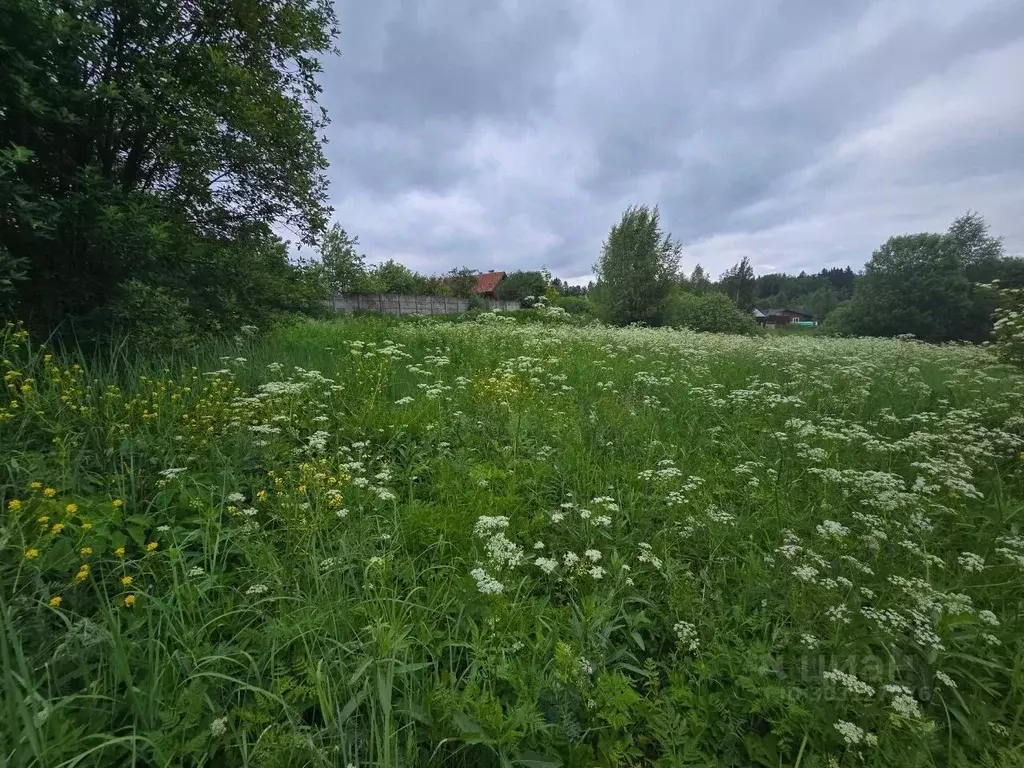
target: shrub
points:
(575, 305)
(1008, 331)
(711, 312)
(159, 320)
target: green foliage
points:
(712, 312)
(738, 284)
(565, 289)
(160, 321)
(927, 285)
(637, 269)
(391, 277)
(519, 284)
(1008, 328)
(820, 302)
(699, 282)
(819, 293)
(461, 282)
(141, 146)
(575, 305)
(344, 267)
(914, 284)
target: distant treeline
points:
(934, 286)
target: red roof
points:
(487, 282)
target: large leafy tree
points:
(738, 283)
(637, 269)
(344, 267)
(141, 139)
(913, 284)
(699, 281)
(929, 285)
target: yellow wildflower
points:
(31, 554)
(14, 505)
(152, 546)
(57, 528)
(85, 551)
(86, 526)
(261, 495)
(55, 601)
(117, 503)
(119, 552)
(49, 492)
(35, 485)
(126, 581)
(83, 573)
(44, 520)
(129, 601)
(70, 509)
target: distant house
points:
(772, 317)
(487, 284)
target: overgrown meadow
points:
(495, 543)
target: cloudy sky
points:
(511, 134)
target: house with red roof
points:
(487, 284)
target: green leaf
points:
(536, 760)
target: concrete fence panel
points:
(400, 304)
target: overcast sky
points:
(511, 134)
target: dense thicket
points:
(146, 150)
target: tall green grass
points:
(509, 544)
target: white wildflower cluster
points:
(546, 564)
(257, 589)
(838, 613)
(666, 470)
(806, 573)
(971, 562)
(502, 553)
(851, 683)
(903, 702)
(686, 634)
(646, 555)
(943, 679)
(854, 735)
(317, 442)
(830, 529)
(486, 583)
(169, 474)
(219, 727)
(681, 495)
(717, 515)
(1012, 549)
(987, 617)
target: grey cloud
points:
(512, 134)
